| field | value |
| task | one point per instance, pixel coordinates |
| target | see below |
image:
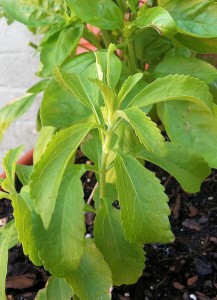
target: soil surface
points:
(185, 269)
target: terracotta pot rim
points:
(26, 159)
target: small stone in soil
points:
(192, 280)
(191, 224)
(127, 295)
(178, 286)
(203, 267)
(3, 221)
(193, 297)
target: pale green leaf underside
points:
(92, 280)
(9, 163)
(111, 242)
(6, 240)
(60, 108)
(23, 211)
(52, 165)
(107, 93)
(146, 130)
(144, 209)
(14, 110)
(108, 66)
(175, 87)
(193, 127)
(58, 289)
(184, 164)
(186, 66)
(195, 18)
(63, 241)
(159, 19)
(44, 137)
(10, 230)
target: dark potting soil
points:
(185, 269)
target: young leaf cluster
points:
(144, 82)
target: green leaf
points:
(104, 14)
(4, 195)
(110, 192)
(150, 45)
(63, 241)
(201, 45)
(184, 164)
(33, 13)
(60, 108)
(10, 230)
(13, 111)
(114, 66)
(92, 147)
(193, 127)
(92, 280)
(127, 86)
(6, 236)
(23, 172)
(127, 140)
(79, 63)
(23, 211)
(213, 90)
(195, 18)
(89, 208)
(133, 4)
(9, 163)
(144, 209)
(59, 46)
(175, 87)
(41, 295)
(38, 87)
(186, 66)
(52, 165)
(44, 138)
(108, 66)
(108, 95)
(73, 84)
(116, 250)
(58, 289)
(147, 131)
(83, 67)
(157, 18)
(135, 90)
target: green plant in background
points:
(109, 103)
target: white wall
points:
(17, 68)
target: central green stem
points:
(132, 57)
(104, 160)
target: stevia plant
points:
(144, 78)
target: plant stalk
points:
(103, 170)
(106, 38)
(132, 57)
